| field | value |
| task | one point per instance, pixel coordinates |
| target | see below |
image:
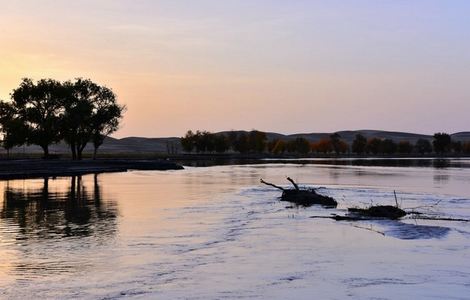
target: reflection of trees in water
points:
(77, 211)
(440, 178)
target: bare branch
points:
(293, 183)
(273, 185)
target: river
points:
(216, 232)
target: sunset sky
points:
(285, 66)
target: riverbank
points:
(36, 168)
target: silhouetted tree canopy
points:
(39, 106)
(442, 142)
(405, 147)
(374, 145)
(388, 146)
(13, 128)
(299, 145)
(48, 111)
(359, 144)
(257, 142)
(423, 146)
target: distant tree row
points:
(204, 141)
(49, 111)
(257, 142)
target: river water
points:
(216, 233)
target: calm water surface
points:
(216, 233)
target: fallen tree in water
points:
(304, 197)
(379, 211)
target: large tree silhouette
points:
(39, 106)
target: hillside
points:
(162, 145)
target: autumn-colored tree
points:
(322, 146)
(279, 147)
(342, 147)
(466, 147)
(299, 145)
(405, 147)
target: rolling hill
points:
(138, 145)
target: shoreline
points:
(39, 168)
(29, 168)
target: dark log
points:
(303, 197)
(380, 211)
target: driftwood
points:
(304, 197)
(379, 211)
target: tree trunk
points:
(77, 152)
(74, 152)
(95, 150)
(80, 150)
(45, 148)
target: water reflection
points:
(408, 231)
(437, 163)
(77, 210)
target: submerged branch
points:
(440, 219)
(293, 183)
(273, 185)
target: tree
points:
(343, 147)
(442, 142)
(374, 145)
(335, 140)
(466, 147)
(220, 143)
(12, 127)
(388, 146)
(299, 145)
(105, 118)
(423, 146)
(241, 144)
(359, 144)
(322, 146)
(277, 146)
(39, 106)
(91, 113)
(232, 139)
(457, 146)
(188, 141)
(257, 141)
(405, 147)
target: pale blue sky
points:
(286, 66)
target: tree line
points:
(49, 111)
(257, 142)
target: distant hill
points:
(161, 145)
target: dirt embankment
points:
(35, 168)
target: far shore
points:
(26, 166)
(38, 168)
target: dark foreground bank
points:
(34, 168)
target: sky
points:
(273, 65)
